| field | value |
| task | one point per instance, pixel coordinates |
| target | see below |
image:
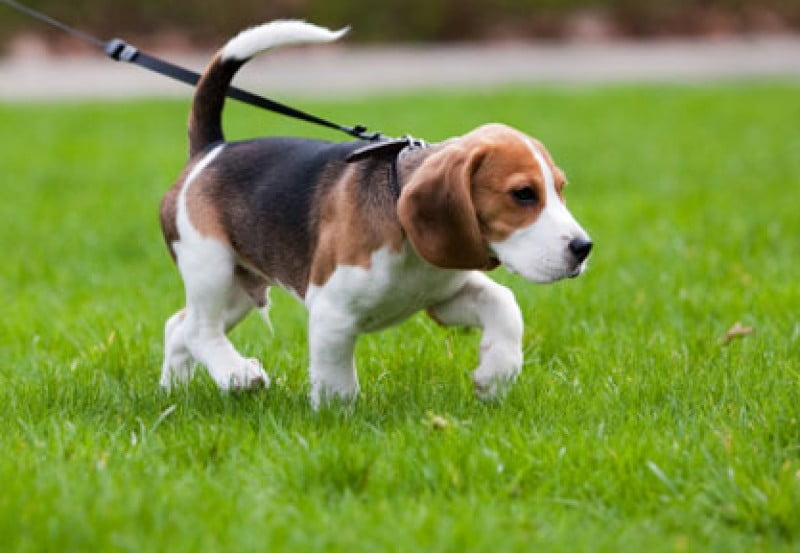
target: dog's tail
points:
(205, 121)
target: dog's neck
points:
(410, 159)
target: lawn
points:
(633, 426)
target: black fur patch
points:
(265, 189)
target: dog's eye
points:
(525, 196)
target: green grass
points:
(631, 428)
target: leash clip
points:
(119, 50)
(361, 132)
(414, 143)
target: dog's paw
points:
(493, 385)
(491, 389)
(249, 376)
(177, 376)
(321, 396)
(500, 365)
(169, 382)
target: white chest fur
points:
(393, 287)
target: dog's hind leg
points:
(179, 364)
(215, 301)
(483, 303)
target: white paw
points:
(496, 373)
(323, 395)
(249, 376)
(165, 383)
(180, 375)
(492, 387)
(170, 381)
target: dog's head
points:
(493, 196)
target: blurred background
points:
(200, 23)
(398, 45)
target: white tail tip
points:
(251, 42)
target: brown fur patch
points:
(168, 212)
(205, 120)
(437, 211)
(201, 208)
(508, 165)
(355, 218)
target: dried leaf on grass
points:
(737, 331)
(437, 422)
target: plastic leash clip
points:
(119, 50)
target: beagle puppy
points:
(363, 243)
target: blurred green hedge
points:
(210, 21)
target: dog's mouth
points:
(577, 271)
(545, 278)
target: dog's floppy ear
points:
(436, 211)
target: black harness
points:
(391, 150)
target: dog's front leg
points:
(331, 340)
(483, 303)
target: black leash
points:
(120, 50)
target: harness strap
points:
(391, 149)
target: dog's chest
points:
(394, 286)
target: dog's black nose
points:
(580, 248)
